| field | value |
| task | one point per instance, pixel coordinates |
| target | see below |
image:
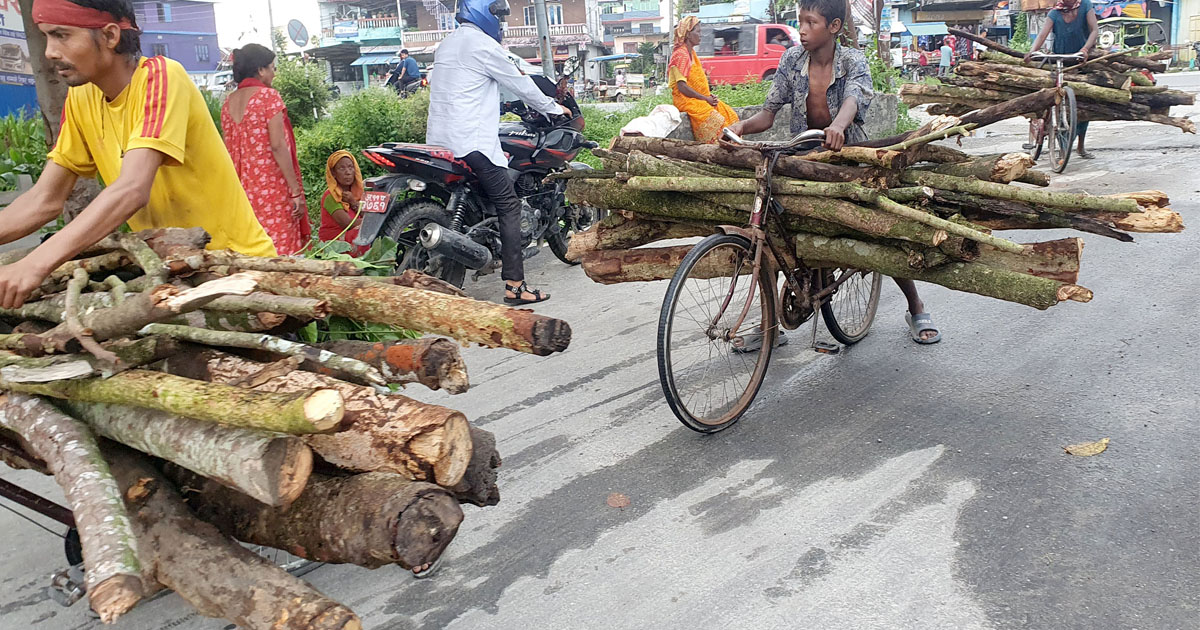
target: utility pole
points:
(271, 23)
(543, 33)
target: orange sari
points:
(707, 121)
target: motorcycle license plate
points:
(375, 202)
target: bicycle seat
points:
(810, 139)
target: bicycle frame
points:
(759, 235)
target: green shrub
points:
(1020, 36)
(749, 94)
(363, 119)
(303, 88)
(214, 102)
(23, 144)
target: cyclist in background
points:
(1073, 23)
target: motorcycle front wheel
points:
(404, 227)
(578, 219)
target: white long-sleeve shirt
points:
(464, 94)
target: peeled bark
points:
(1056, 260)
(385, 433)
(462, 318)
(370, 520)
(433, 362)
(309, 411)
(214, 574)
(270, 467)
(1040, 293)
(110, 552)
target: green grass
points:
(22, 148)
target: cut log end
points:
(455, 450)
(115, 596)
(425, 528)
(325, 409)
(294, 461)
(1074, 293)
(456, 381)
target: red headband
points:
(71, 14)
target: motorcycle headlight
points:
(416, 184)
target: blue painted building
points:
(183, 30)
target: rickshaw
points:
(1119, 33)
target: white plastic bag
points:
(660, 122)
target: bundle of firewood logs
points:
(907, 209)
(1109, 87)
(155, 380)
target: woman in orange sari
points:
(689, 85)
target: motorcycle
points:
(432, 205)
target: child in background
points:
(829, 87)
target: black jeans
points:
(499, 190)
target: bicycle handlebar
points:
(812, 136)
(1053, 57)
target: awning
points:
(615, 57)
(376, 59)
(922, 29)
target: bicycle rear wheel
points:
(709, 372)
(1062, 130)
(849, 312)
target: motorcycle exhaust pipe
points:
(455, 246)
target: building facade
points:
(629, 23)
(183, 30)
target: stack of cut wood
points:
(866, 208)
(1109, 87)
(150, 378)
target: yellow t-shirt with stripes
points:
(162, 109)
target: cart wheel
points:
(72, 547)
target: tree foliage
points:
(302, 86)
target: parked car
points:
(743, 52)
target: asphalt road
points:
(890, 486)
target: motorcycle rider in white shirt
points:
(464, 116)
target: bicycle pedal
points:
(825, 347)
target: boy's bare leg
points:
(915, 305)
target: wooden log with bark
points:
(214, 574)
(110, 550)
(313, 410)
(272, 468)
(370, 519)
(478, 485)
(383, 433)
(618, 232)
(433, 362)
(462, 318)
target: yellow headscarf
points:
(684, 27)
(335, 189)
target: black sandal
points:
(521, 290)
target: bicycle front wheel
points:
(709, 365)
(850, 310)
(1062, 130)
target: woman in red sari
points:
(259, 138)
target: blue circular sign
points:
(298, 33)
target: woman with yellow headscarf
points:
(689, 85)
(340, 216)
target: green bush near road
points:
(23, 140)
(303, 89)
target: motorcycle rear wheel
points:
(404, 227)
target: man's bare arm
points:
(37, 206)
(757, 123)
(112, 207)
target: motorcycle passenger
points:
(464, 116)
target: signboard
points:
(885, 21)
(298, 33)
(15, 68)
(347, 29)
(951, 16)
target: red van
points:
(737, 53)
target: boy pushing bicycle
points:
(829, 87)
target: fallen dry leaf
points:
(1087, 449)
(618, 500)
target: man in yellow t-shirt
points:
(143, 127)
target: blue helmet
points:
(485, 14)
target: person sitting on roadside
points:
(139, 124)
(829, 87)
(689, 85)
(341, 214)
(1075, 29)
